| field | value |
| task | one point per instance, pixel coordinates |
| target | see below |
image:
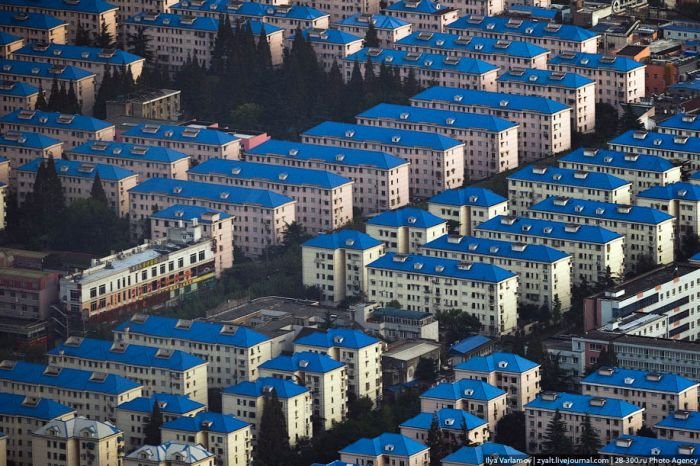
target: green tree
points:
(645, 431)
(690, 244)
(371, 36)
(152, 429)
(410, 85)
(589, 442)
(510, 430)
(72, 105)
(295, 235)
(556, 310)
(54, 97)
(556, 441)
(426, 370)
(628, 120)
(41, 103)
(82, 35)
(104, 38)
(247, 116)
(606, 120)
(456, 324)
(104, 93)
(97, 192)
(139, 43)
(606, 358)
(435, 442)
(273, 439)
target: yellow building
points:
(386, 450)
(405, 230)
(72, 130)
(170, 454)
(467, 207)
(454, 426)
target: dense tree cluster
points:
(61, 99)
(114, 83)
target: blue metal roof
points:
(75, 379)
(468, 195)
(385, 444)
(640, 380)
(486, 453)
(125, 150)
(406, 217)
(305, 361)
(469, 344)
(327, 36)
(284, 388)
(422, 6)
(81, 169)
(549, 229)
(657, 141)
(79, 53)
(42, 409)
(681, 121)
(54, 120)
(633, 445)
(336, 463)
(336, 338)
(188, 212)
(537, 77)
(568, 177)
(693, 85)
(525, 27)
(464, 389)
(681, 420)
(29, 20)
(485, 45)
(343, 239)
(385, 136)
(169, 404)
(43, 70)
(429, 61)
(601, 210)
(379, 21)
(497, 248)
(495, 100)
(171, 20)
(584, 404)
(612, 158)
(27, 139)
(334, 155)
(206, 420)
(135, 355)
(501, 362)
(449, 419)
(199, 331)
(17, 89)
(444, 118)
(185, 134)
(534, 11)
(596, 61)
(223, 194)
(436, 266)
(252, 9)
(6, 38)
(674, 191)
(238, 169)
(80, 6)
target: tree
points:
(72, 105)
(139, 43)
(606, 120)
(104, 93)
(457, 325)
(97, 192)
(589, 442)
(510, 430)
(273, 439)
(645, 431)
(556, 441)
(426, 370)
(556, 310)
(82, 35)
(152, 428)
(41, 103)
(690, 244)
(606, 358)
(104, 38)
(54, 97)
(435, 442)
(295, 235)
(371, 36)
(629, 120)
(410, 85)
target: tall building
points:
(685, 149)
(17, 95)
(424, 15)
(680, 426)
(389, 29)
(23, 147)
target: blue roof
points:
(125, 150)
(391, 444)
(482, 45)
(436, 266)
(328, 36)
(135, 355)
(469, 344)
(29, 20)
(537, 77)
(657, 141)
(525, 28)
(452, 119)
(673, 191)
(27, 139)
(334, 155)
(18, 89)
(379, 21)
(430, 61)
(464, 389)
(612, 158)
(284, 388)
(601, 210)
(648, 447)
(569, 177)
(79, 53)
(692, 85)
(43, 70)
(468, 195)
(385, 136)
(81, 169)
(534, 11)
(278, 174)
(223, 194)
(188, 212)
(169, 404)
(486, 453)
(406, 217)
(251, 9)
(637, 380)
(450, 419)
(549, 229)
(336, 338)
(260, 27)
(596, 61)
(215, 422)
(681, 121)
(343, 239)
(199, 331)
(6, 38)
(336, 463)
(305, 361)
(54, 120)
(41, 408)
(422, 6)
(76, 379)
(82, 6)
(497, 248)
(171, 20)
(682, 420)
(180, 133)
(501, 362)
(496, 100)
(581, 404)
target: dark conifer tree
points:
(589, 442)
(273, 439)
(411, 86)
(139, 43)
(97, 192)
(82, 35)
(371, 37)
(103, 94)
(41, 103)
(62, 99)
(54, 97)
(435, 442)
(72, 103)
(152, 428)
(104, 39)
(556, 441)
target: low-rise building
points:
(465, 208)
(469, 347)
(682, 149)
(332, 46)
(480, 455)
(146, 104)
(9, 43)
(473, 396)
(400, 362)
(34, 27)
(16, 95)
(455, 425)
(396, 324)
(679, 426)
(170, 454)
(386, 449)
(72, 130)
(644, 449)
(26, 293)
(389, 29)
(680, 124)
(405, 230)
(424, 15)
(681, 200)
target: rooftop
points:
(252, 9)
(464, 389)
(480, 45)
(450, 419)
(78, 6)
(549, 229)
(385, 444)
(525, 27)
(188, 212)
(596, 61)
(411, 217)
(601, 210)
(78, 427)
(474, 245)
(328, 36)
(469, 344)
(639, 380)
(262, 385)
(54, 120)
(632, 445)
(382, 312)
(537, 77)
(612, 158)
(79, 53)
(468, 195)
(681, 420)
(675, 191)
(30, 407)
(657, 141)
(74, 168)
(171, 20)
(497, 362)
(168, 403)
(379, 21)
(583, 404)
(343, 239)
(182, 453)
(430, 61)
(124, 150)
(185, 134)
(568, 177)
(421, 6)
(681, 121)
(486, 453)
(206, 420)
(305, 361)
(43, 70)
(6, 38)
(17, 89)
(336, 338)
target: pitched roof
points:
(169, 404)
(425, 60)
(171, 20)
(482, 45)
(343, 239)
(633, 445)
(501, 362)
(674, 191)
(468, 195)
(441, 267)
(406, 217)
(468, 98)
(475, 245)
(450, 419)
(28, 19)
(421, 6)
(469, 344)
(18, 89)
(6, 38)
(568, 177)
(612, 158)
(42, 409)
(379, 21)
(43, 70)
(306, 361)
(657, 142)
(681, 420)
(284, 388)
(206, 420)
(525, 28)
(81, 6)
(385, 444)
(78, 427)
(54, 120)
(538, 77)
(583, 404)
(596, 61)
(186, 134)
(251, 9)
(681, 121)
(74, 168)
(79, 53)
(328, 36)
(188, 212)
(549, 229)
(183, 453)
(125, 150)
(336, 338)
(464, 389)
(639, 380)
(486, 453)
(601, 210)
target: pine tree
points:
(82, 36)
(97, 192)
(104, 93)
(264, 54)
(139, 43)
(606, 358)
(152, 428)
(41, 103)
(589, 443)
(371, 37)
(334, 92)
(370, 77)
(72, 104)
(410, 85)
(54, 97)
(434, 442)
(104, 39)
(556, 310)
(556, 441)
(273, 439)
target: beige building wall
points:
(420, 459)
(467, 216)
(18, 155)
(386, 37)
(405, 239)
(423, 21)
(197, 150)
(133, 423)
(9, 103)
(475, 436)
(229, 448)
(490, 411)
(69, 135)
(521, 387)
(85, 88)
(8, 49)
(327, 52)
(132, 7)
(689, 434)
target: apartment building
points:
(170, 454)
(156, 370)
(26, 294)
(593, 249)
(454, 426)
(608, 416)
(505, 54)
(147, 104)
(627, 448)
(533, 184)
(682, 149)
(544, 126)
(490, 142)
(386, 449)
(427, 68)
(34, 27)
(199, 143)
(424, 15)
(680, 124)
(360, 353)
(91, 15)
(477, 456)
(405, 230)
(92, 394)
(227, 438)
(572, 89)
(233, 353)
(681, 200)
(323, 199)
(131, 7)
(389, 29)
(77, 441)
(337, 263)
(341, 10)
(659, 394)
(648, 232)
(17, 96)
(323, 375)
(246, 401)
(262, 215)
(680, 426)
(9, 43)
(77, 179)
(436, 161)
(19, 416)
(486, 291)
(331, 45)
(72, 130)
(619, 80)
(3, 196)
(395, 324)
(42, 76)
(380, 180)
(555, 37)
(643, 171)
(467, 207)
(473, 396)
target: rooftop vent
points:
(457, 98)
(581, 175)
(349, 133)
(73, 341)
(190, 132)
(567, 405)
(653, 377)
(628, 380)
(560, 200)
(681, 415)
(118, 347)
(686, 450)
(404, 116)
(504, 44)
(339, 157)
(549, 396)
(449, 421)
(539, 170)
(99, 146)
(138, 150)
(475, 19)
(464, 265)
(598, 402)
(572, 228)
(30, 401)
(508, 220)
(624, 209)
(518, 247)
(688, 118)
(228, 329)
(303, 363)
(451, 61)
(184, 324)
(388, 447)
(400, 258)
(590, 152)
(139, 318)
(412, 219)
(607, 60)
(552, 27)
(439, 268)
(468, 392)
(623, 442)
(338, 339)
(150, 129)
(557, 75)
(425, 35)
(417, 266)
(679, 139)
(631, 157)
(639, 134)
(52, 371)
